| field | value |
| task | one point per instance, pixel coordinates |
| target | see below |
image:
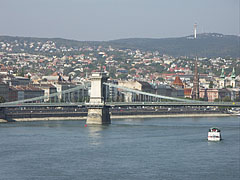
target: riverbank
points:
(170, 115)
(117, 117)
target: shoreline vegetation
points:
(117, 117)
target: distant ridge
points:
(206, 44)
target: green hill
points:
(206, 45)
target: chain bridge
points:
(101, 99)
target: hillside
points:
(206, 45)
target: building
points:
(222, 81)
(4, 91)
(15, 80)
(233, 79)
(209, 95)
(55, 77)
(177, 92)
(17, 93)
(177, 88)
(188, 92)
(225, 82)
(112, 92)
(48, 90)
(171, 91)
(224, 95)
(136, 85)
(235, 94)
(177, 82)
(23, 80)
(79, 95)
(163, 89)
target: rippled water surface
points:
(141, 149)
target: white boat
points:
(214, 134)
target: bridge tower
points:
(98, 113)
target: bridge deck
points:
(123, 104)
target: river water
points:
(134, 149)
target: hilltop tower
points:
(195, 30)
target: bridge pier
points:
(98, 113)
(3, 117)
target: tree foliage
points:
(2, 100)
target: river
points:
(128, 149)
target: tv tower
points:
(195, 30)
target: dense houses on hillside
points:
(24, 75)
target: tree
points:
(21, 73)
(2, 100)
(226, 99)
(216, 100)
(122, 76)
(237, 99)
(112, 73)
(160, 79)
(211, 84)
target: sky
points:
(102, 20)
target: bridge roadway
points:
(200, 103)
(73, 111)
(123, 104)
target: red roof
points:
(177, 81)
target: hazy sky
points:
(115, 19)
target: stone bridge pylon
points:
(98, 113)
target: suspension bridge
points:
(101, 100)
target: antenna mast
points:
(195, 30)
